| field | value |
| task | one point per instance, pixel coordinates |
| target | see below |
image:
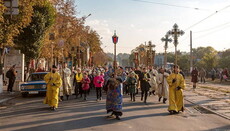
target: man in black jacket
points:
(145, 86)
(11, 74)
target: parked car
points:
(35, 84)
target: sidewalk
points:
(5, 96)
(217, 87)
(211, 85)
(216, 101)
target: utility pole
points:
(191, 54)
(175, 32)
(79, 53)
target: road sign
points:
(12, 7)
(14, 3)
(15, 11)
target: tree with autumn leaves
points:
(70, 33)
(12, 27)
(29, 31)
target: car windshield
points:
(36, 77)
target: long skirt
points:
(52, 96)
(114, 101)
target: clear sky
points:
(138, 22)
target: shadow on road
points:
(79, 114)
(82, 123)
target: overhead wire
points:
(180, 6)
(218, 26)
(173, 5)
(212, 32)
(208, 17)
(204, 20)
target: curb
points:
(6, 99)
(214, 112)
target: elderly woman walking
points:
(114, 98)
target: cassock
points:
(153, 81)
(54, 82)
(163, 85)
(176, 100)
(66, 88)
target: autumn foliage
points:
(32, 27)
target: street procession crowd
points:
(167, 84)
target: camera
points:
(174, 80)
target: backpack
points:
(8, 74)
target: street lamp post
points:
(85, 17)
(175, 32)
(52, 38)
(115, 40)
(73, 54)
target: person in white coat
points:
(153, 83)
(162, 85)
(66, 88)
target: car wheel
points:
(25, 94)
(42, 93)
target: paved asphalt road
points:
(29, 114)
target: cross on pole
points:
(166, 39)
(175, 33)
(150, 46)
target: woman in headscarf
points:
(114, 98)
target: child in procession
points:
(85, 84)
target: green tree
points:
(31, 39)
(208, 59)
(224, 62)
(184, 61)
(170, 57)
(226, 53)
(224, 59)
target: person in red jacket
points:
(98, 83)
(85, 84)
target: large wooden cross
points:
(175, 32)
(150, 55)
(166, 39)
